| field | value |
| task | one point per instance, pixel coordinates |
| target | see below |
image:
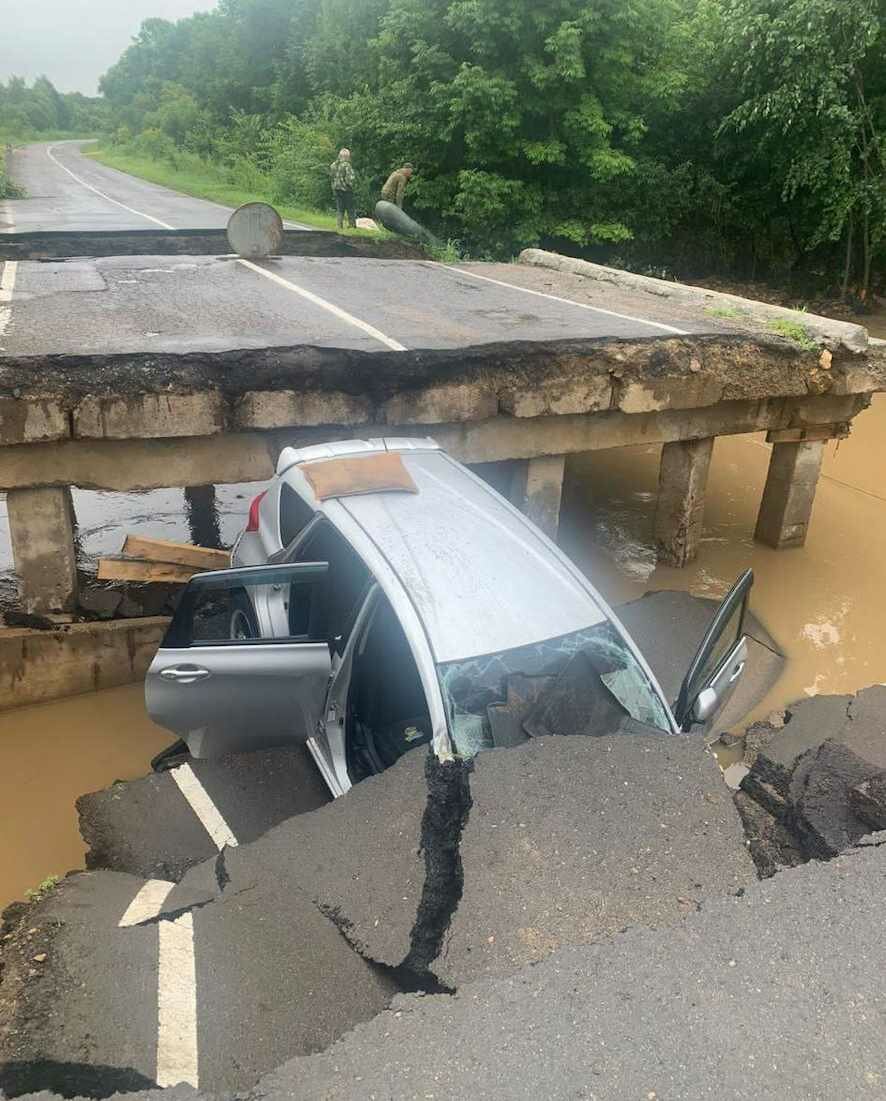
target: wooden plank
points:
(133, 569)
(181, 554)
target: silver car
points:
(384, 597)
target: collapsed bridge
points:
(128, 416)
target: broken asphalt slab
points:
(440, 872)
(146, 827)
(273, 979)
(557, 841)
(572, 839)
(817, 779)
(774, 995)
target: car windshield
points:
(586, 682)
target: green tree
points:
(806, 112)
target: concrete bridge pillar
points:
(537, 490)
(679, 515)
(41, 525)
(786, 508)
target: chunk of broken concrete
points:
(820, 808)
(572, 839)
(868, 800)
(772, 846)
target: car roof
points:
(481, 577)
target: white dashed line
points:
(7, 286)
(567, 301)
(208, 813)
(177, 1004)
(147, 903)
(336, 311)
(101, 194)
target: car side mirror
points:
(705, 705)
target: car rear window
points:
(295, 514)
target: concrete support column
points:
(787, 502)
(41, 524)
(679, 515)
(537, 489)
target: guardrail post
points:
(41, 525)
(786, 508)
(679, 515)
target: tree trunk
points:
(866, 277)
(847, 269)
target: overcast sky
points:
(74, 41)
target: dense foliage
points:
(742, 136)
(30, 111)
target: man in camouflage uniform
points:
(395, 187)
(342, 173)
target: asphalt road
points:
(67, 191)
(207, 303)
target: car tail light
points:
(252, 522)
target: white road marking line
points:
(147, 903)
(336, 311)
(177, 1004)
(7, 286)
(101, 194)
(567, 301)
(208, 813)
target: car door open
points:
(719, 661)
(221, 686)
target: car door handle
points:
(737, 672)
(184, 674)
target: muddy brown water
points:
(49, 755)
(825, 604)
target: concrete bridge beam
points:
(537, 490)
(41, 525)
(786, 508)
(679, 515)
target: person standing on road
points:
(395, 186)
(342, 172)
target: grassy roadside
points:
(207, 182)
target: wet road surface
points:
(67, 191)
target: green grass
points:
(35, 894)
(208, 182)
(729, 312)
(793, 330)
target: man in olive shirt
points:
(395, 187)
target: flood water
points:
(49, 755)
(825, 604)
